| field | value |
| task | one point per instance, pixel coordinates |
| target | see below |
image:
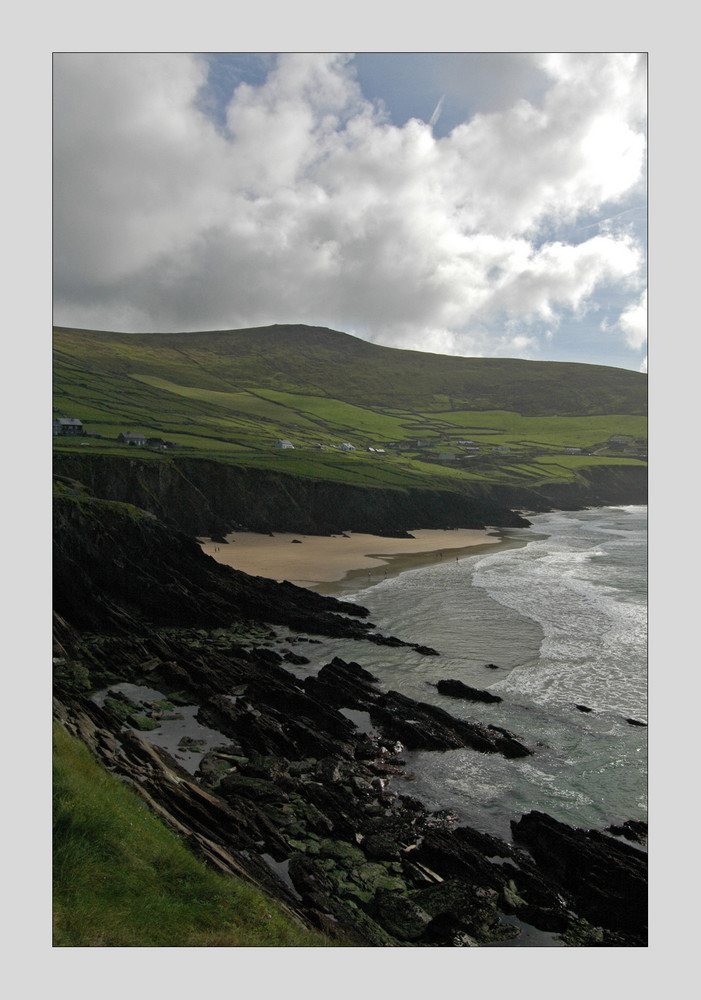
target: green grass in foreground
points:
(122, 879)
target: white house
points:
(346, 446)
(282, 443)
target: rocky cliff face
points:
(117, 568)
(205, 498)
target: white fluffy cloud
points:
(633, 322)
(311, 206)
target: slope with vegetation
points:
(431, 421)
(493, 433)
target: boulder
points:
(456, 689)
(400, 915)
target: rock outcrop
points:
(456, 689)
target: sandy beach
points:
(331, 564)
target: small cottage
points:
(283, 443)
(67, 427)
(139, 440)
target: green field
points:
(231, 395)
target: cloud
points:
(633, 322)
(308, 205)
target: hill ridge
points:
(317, 357)
(346, 337)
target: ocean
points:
(559, 613)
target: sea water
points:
(559, 613)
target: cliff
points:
(208, 498)
(117, 569)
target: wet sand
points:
(332, 564)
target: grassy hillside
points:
(231, 395)
(122, 879)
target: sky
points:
(479, 204)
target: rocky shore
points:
(304, 791)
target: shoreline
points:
(398, 563)
(333, 564)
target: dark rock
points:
(318, 890)
(328, 770)
(636, 722)
(606, 878)
(456, 689)
(459, 907)
(417, 725)
(296, 658)
(387, 640)
(400, 915)
(583, 708)
(507, 744)
(343, 684)
(635, 830)
(420, 726)
(235, 786)
(449, 855)
(381, 847)
(268, 656)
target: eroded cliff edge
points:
(208, 498)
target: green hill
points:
(430, 420)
